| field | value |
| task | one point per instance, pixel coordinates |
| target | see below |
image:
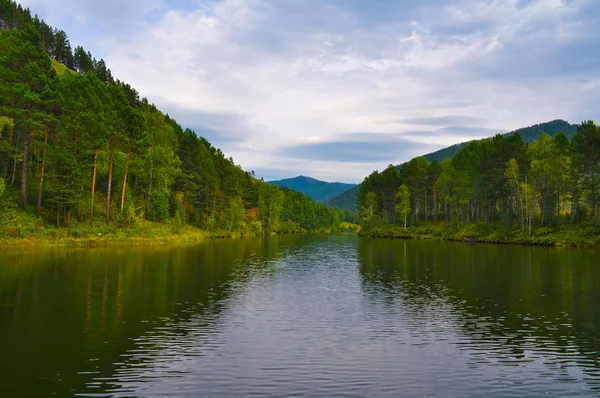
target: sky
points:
(335, 89)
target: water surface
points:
(301, 316)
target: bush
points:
(542, 232)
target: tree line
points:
(546, 183)
(83, 145)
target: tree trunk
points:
(24, 171)
(558, 209)
(79, 212)
(594, 209)
(125, 178)
(93, 188)
(150, 184)
(435, 202)
(111, 152)
(573, 206)
(39, 204)
(10, 148)
(425, 209)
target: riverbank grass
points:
(21, 229)
(582, 235)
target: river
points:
(295, 316)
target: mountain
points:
(528, 135)
(317, 190)
(347, 200)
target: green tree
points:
(586, 156)
(403, 206)
(369, 210)
(513, 176)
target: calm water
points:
(301, 316)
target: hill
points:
(317, 190)
(347, 200)
(528, 135)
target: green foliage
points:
(403, 206)
(60, 68)
(345, 200)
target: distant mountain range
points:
(317, 190)
(347, 200)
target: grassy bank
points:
(20, 229)
(23, 229)
(582, 235)
(148, 233)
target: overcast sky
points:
(336, 89)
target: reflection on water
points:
(301, 316)
(526, 318)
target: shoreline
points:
(90, 242)
(189, 235)
(571, 237)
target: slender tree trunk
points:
(39, 204)
(14, 172)
(573, 206)
(79, 212)
(425, 209)
(93, 188)
(24, 171)
(125, 178)
(594, 209)
(10, 148)
(558, 208)
(150, 184)
(435, 202)
(446, 209)
(111, 152)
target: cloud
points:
(279, 84)
(360, 147)
(449, 120)
(218, 128)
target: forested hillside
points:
(501, 188)
(347, 200)
(317, 190)
(79, 147)
(527, 134)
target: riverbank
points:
(146, 234)
(582, 235)
(20, 229)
